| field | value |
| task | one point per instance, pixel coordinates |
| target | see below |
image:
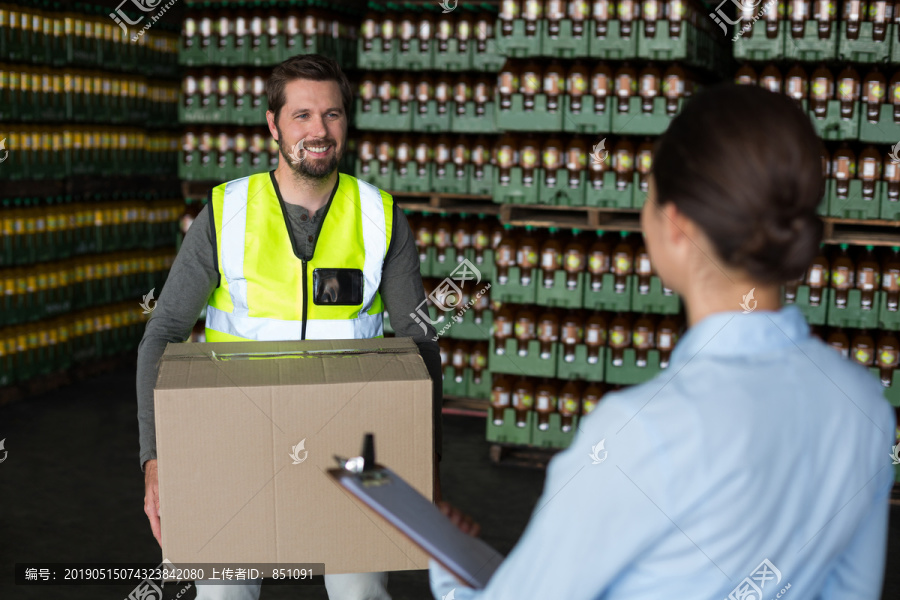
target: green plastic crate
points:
(489, 61)
(519, 119)
(855, 206)
(864, 49)
(452, 60)
(412, 181)
(508, 432)
(887, 319)
(513, 290)
(431, 121)
(565, 45)
(519, 45)
(758, 47)
(853, 315)
(815, 315)
(531, 365)
(608, 196)
(809, 48)
(559, 295)
(553, 436)
(561, 193)
(469, 122)
(613, 46)
(515, 192)
(636, 122)
(833, 126)
(393, 120)
(586, 120)
(655, 301)
(580, 368)
(607, 298)
(883, 131)
(629, 373)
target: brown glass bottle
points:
(817, 277)
(571, 334)
(622, 262)
(643, 269)
(868, 277)
(503, 328)
(823, 13)
(554, 85)
(595, 336)
(523, 400)
(424, 92)
(619, 338)
(843, 169)
(887, 356)
(480, 158)
(598, 261)
(573, 259)
(591, 397)
(459, 359)
(848, 90)
(623, 163)
(796, 85)
(552, 162)
(643, 338)
(481, 238)
(577, 80)
(603, 11)
(746, 75)
(424, 155)
(501, 397)
(548, 333)
(873, 90)
(568, 405)
(510, 10)
(506, 156)
(643, 163)
(551, 258)
(527, 256)
(529, 156)
(482, 93)
(854, 14)
(579, 12)
(869, 171)
(891, 177)
(530, 83)
(524, 329)
(545, 398)
(508, 83)
(443, 237)
(464, 29)
(505, 255)
(771, 17)
(404, 156)
(821, 91)
(482, 303)
(770, 79)
(601, 86)
(648, 84)
(666, 338)
(532, 12)
(651, 12)
(862, 348)
(442, 158)
(554, 13)
(890, 278)
(838, 340)
(576, 161)
(625, 85)
(627, 11)
(842, 271)
(674, 88)
(894, 90)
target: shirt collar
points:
(738, 334)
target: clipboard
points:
(469, 559)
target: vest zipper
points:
(305, 296)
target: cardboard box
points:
(228, 417)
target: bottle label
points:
(574, 261)
(891, 281)
(598, 263)
(548, 260)
(501, 398)
(862, 356)
(544, 402)
(524, 330)
(617, 338)
(523, 400)
(622, 265)
(840, 277)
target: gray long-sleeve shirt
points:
(195, 275)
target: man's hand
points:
(151, 498)
(463, 522)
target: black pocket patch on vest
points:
(337, 287)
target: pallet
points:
(875, 232)
(573, 217)
(429, 202)
(470, 407)
(508, 455)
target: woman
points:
(757, 464)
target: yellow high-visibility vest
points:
(266, 293)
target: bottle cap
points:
(870, 247)
(576, 231)
(844, 246)
(895, 248)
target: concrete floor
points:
(71, 491)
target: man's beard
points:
(309, 168)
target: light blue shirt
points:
(757, 443)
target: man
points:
(270, 257)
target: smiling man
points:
(299, 253)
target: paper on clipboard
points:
(470, 559)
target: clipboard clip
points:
(364, 466)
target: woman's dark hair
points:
(307, 66)
(745, 164)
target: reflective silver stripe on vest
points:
(234, 229)
(374, 230)
(255, 328)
